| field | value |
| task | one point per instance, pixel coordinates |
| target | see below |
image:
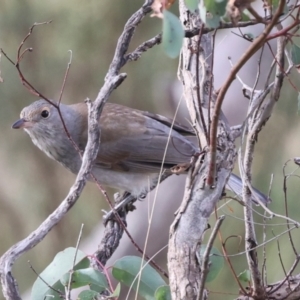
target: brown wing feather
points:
(135, 140)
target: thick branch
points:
(187, 231)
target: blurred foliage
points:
(32, 186)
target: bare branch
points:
(112, 81)
(205, 258)
(256, 45)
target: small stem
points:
(257, 43)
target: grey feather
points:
(132, 146)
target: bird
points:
(133, 145)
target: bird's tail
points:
(234, 184)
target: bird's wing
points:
(136, 141)
(184, 130)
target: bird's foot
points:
(123, 203)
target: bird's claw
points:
(126, 202)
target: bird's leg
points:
(121, 202)
(126, 201)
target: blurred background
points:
(32, 185)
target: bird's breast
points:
(63, 152)
(132, 182)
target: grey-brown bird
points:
(132, 147)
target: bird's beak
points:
(22, 123)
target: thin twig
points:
(286, 209)
(60, 293)
(68, 289)
(202, 120)
(205, 257)
(65, 77)
(211, 84)
(257, 43)
(227, 257)
(136, 54)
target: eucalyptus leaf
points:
(61, 264)
(116, 292)
(295, 54)
(245, 276)
(192, 5)
(87, 295)
(173, 34)
(126, 270)
(211, 12)
(163, 293)
(85, 277)
(216, 262)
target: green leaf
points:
(163, 293)
(87, 295)
(275, 4)
(211, 12)
(245, 17)
(245, 276)
(295, 54)
(62, 263)
(96, 288)
(173, 34)
(116, 292)
(216, 262)
(192, 5)
(126, 271)
(85, 277)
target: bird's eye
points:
(45, 113)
